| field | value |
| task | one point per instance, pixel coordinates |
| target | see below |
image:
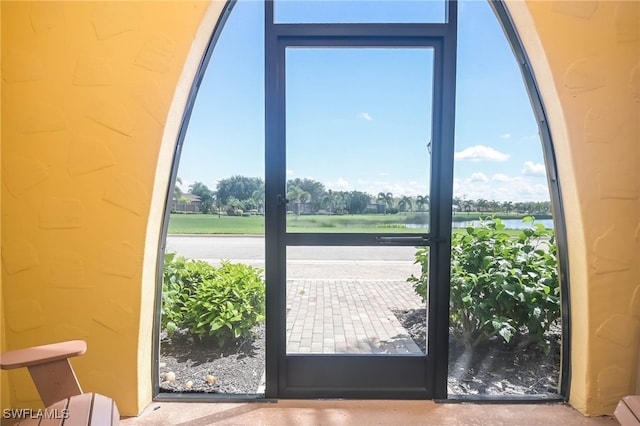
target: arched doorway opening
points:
(555, 194)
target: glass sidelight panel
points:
(505, 292)
(359, 131)
(353, 300)
(220, 187)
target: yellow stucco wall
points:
(86, 89)
(586, 57)
(92, 95)
(4, 384)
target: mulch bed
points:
(491, 369)
(237, 368)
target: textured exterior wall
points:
(86, 89)
(586, 57)
(4, 384)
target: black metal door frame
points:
(406, 376)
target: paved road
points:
(374, 263)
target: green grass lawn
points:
(212, 224)
(254, 225)
(412, 222)
(462, 216)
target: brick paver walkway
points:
(348, 316)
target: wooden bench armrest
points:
(88, 409)
(44, 354)
(627, 412)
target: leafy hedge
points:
(218, 303)
(500, 285)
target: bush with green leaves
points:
(500, 285)
(219, 303)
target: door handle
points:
(420, 240)
(282, 201)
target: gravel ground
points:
(238, 369)
(493, 369)
(235, 369)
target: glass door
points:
(358, 126)
(359, 152)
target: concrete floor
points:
(341, 412)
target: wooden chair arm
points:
(628, 411)
(44, 354)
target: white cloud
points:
(339, 185)
(532, 169)
(500, 188)
(186, 183)
(365, 116)
(290, 173)
(398, 189)
(481, 153)
(479, 177)
(505, 136)
(184, 186)
(500, 177)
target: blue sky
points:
(360, 118)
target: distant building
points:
(379, 208)
(187, 203)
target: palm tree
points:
(293, 194)
(386, 199)
(405, 204)
(507, 206)
(468, 205)
(494, 206)
(177, 192)
(217, 203)
(329, 201)
(423, 200)
(342, 200)
(258, 198)
(305, 197)
(482, 205)
(298, 196)
(458, 203)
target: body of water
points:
(509, 223)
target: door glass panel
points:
(358, 129)
(353, 300)
(505, 305)
(359, 11)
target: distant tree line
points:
(241, 194)
(482, 205)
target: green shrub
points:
(181, 277)
(218, 303)
(500, 285)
